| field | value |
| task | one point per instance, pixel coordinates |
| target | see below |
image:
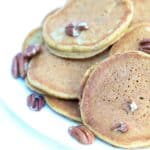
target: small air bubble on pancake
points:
(141, 97)
(144, 115)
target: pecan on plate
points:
(35, 101)
(82, 134)
(15, 67)
(19, 66)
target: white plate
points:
(14, 92)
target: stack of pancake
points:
(99, 77)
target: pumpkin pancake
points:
(57, 76)
(36, 33)
(29, 40)
(106, 20)
(115, 102)
(130, 41)
(69, 109)
(141, 11)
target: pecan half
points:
(144, 45)
(21, 60)
(35, 101)
(15, 68)
(32, 50)
(19, 66)
(22, 65)
(82, 134)
(121, 127)
(72, 30)
(75, 29)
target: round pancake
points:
(130, 41)
(56, 76)
(69, 109)
(120, 79)
(107, 22)
(141, 11)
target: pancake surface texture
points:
(69, 109)
(118, 91)
(130, 41)
(141, 11)
(57, 76)
(107, 21)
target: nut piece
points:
(15, 69)
(23, 65)
(121, 127)
(144, 41)
(129, 106)
(72, 30)
(82, 134)
(144, 45)
(75, 29)
(35, 101)
(21, 60)
(19, 66)
(32, 50)
(132, 106)
(82, 26)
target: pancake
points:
(69, 109)
(116, 100)
(130, 41)
(107, 21)
(141, 11)
(57, 76)
(29, 40)
(36, 33)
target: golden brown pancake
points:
(117, 91)
(36, 33)
(141, 11)
(58, 76)
(107, 21)
(130, 41)
(69, 109)
(29, 40)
